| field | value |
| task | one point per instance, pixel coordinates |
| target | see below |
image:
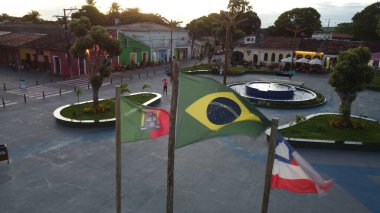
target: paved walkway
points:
(59, 169)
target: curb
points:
(96, 123)
(330, 144)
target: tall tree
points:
(33, 16)
(364, 23)
(344, 28)
(198, 28)
(230, 22)
(115, 8)
(91, 2)
(134, 15)
(238, 6)
(350, 75)
(92, 13)
(173, 25)
(252, 23)
(308, 18)
(94, 44)
(113, 13)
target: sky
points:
(332, 12)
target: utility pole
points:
(230, 22)
(67, 38)
(296, 30)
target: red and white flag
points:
(293, 173)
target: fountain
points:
(271, 91)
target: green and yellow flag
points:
(209, 109)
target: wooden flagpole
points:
(118, 149)
(171, 142)
(270, 160)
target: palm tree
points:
(91, 2)
(33, 16)
(115, 8)
(172, 24)
(145, 86)
(124, 88)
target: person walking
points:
(165, 86)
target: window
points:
(273, 57)
(266, 57)
(280, 57)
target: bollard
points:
(147, 74)
(60, 92)
(154, 72)
(51, 79)
(36, 82)
(5, 89)
(121, 79)
(139, 75)
(43, 94)
(3, 102)
(130, 76)
(111, 80)
(24, 98)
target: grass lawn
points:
(197, 67)
(319, 128)
(376, 80)
(79, 111)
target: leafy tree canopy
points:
(92, 13)
(365, 23)
(350, 75)
(33, 16)
(298, 18)
(94, 45)
(344, 28)
(133, 15)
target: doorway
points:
(57, 65)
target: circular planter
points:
(96, 123)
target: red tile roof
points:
(280, 43)
(54, 41)
(331, 47)
(18, 39)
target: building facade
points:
(161, 39)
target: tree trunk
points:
(227, 44)
(346, 100)
(95, 97)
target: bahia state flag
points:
(209, 109)
(293, 173)
(139, 122)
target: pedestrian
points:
(165, 86)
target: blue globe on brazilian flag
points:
(209, 109)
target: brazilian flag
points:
(209, 109)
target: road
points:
(59, 169)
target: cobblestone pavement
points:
(59, 169)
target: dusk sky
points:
(336, 11)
